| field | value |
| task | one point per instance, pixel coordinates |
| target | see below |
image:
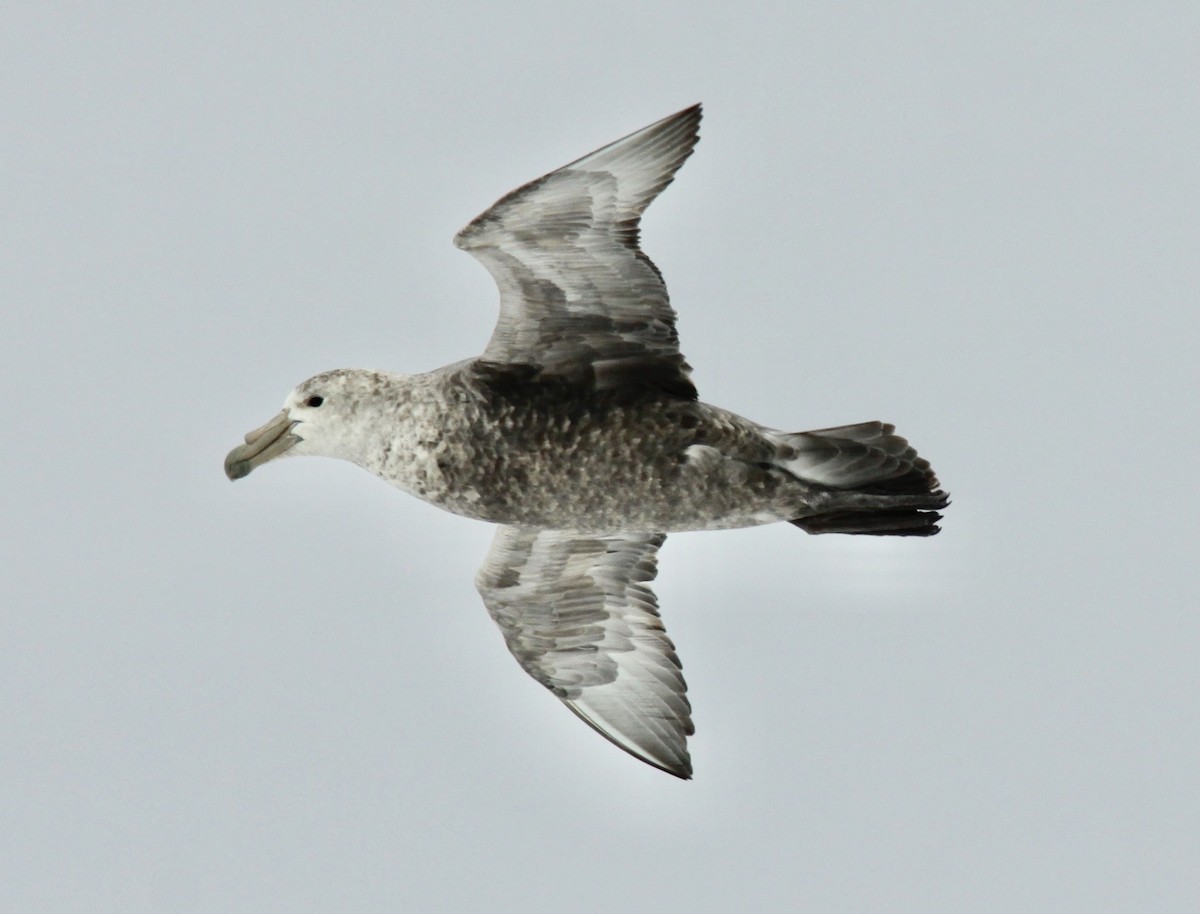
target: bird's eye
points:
(314, 401)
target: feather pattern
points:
(578, 298)
(854, 456)
(576, 612)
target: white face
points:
(310, 407)
(321, 417)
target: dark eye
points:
(314, 401)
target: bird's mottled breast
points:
(500, 444)
(538, 451)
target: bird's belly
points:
(544, 458)
(601, 485)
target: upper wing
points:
(578, 298)
(576, 613)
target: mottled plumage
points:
(578, 430)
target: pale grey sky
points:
(979, 223)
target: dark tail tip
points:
(873, 522)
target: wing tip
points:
(673, 139)
(677, 764)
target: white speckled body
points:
(489, 443)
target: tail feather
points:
(867, 456)
(888, 489)
(879, 522)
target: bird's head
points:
(318, 418)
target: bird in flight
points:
(579, 433)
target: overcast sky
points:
(975, 221)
